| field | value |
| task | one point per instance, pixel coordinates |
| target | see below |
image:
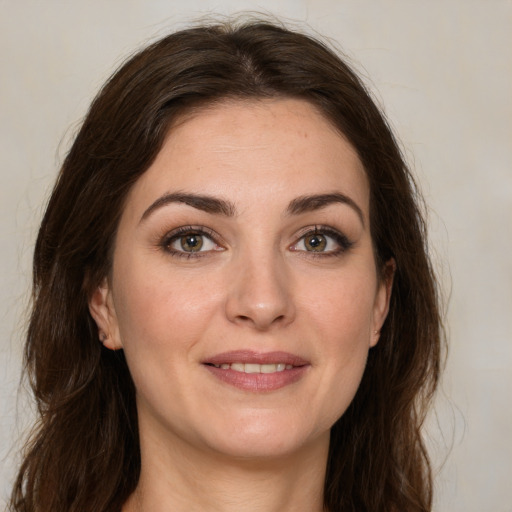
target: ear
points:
(382, 299)
(101, 307)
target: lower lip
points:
(259, 381)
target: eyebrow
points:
(317, 202)
(217, 206)
(205, 203)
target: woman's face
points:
(244, 290)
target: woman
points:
(236, 225)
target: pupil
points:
(316, 243)
(191, 243)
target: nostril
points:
(260, 322)
(259, 306)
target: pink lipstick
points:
(257, 371)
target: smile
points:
(254, 368)
(255, 371)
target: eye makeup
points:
(322, 241)
(195, 241)
(191, 242)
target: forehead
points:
(245, 150)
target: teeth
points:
(268, 368)
(254, 368)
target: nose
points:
(260, 294)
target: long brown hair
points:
(84, 453)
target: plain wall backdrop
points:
(442, 70)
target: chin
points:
(264, 437)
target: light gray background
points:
(442, 70)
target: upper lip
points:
(252, 357)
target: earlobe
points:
(102, 309)
(382, 300)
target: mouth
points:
(253, 371)
(254, 367)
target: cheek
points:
(342, 306)
(341, 316)
(161, 310)
(162, 319)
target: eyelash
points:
(175, 234)
(343, 243)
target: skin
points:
(255, 285)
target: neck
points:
(183, 479)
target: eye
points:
(322, 241)
(188, 241)
(315, 242)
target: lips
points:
(255, 368)
(250, 357)
(254, 371)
